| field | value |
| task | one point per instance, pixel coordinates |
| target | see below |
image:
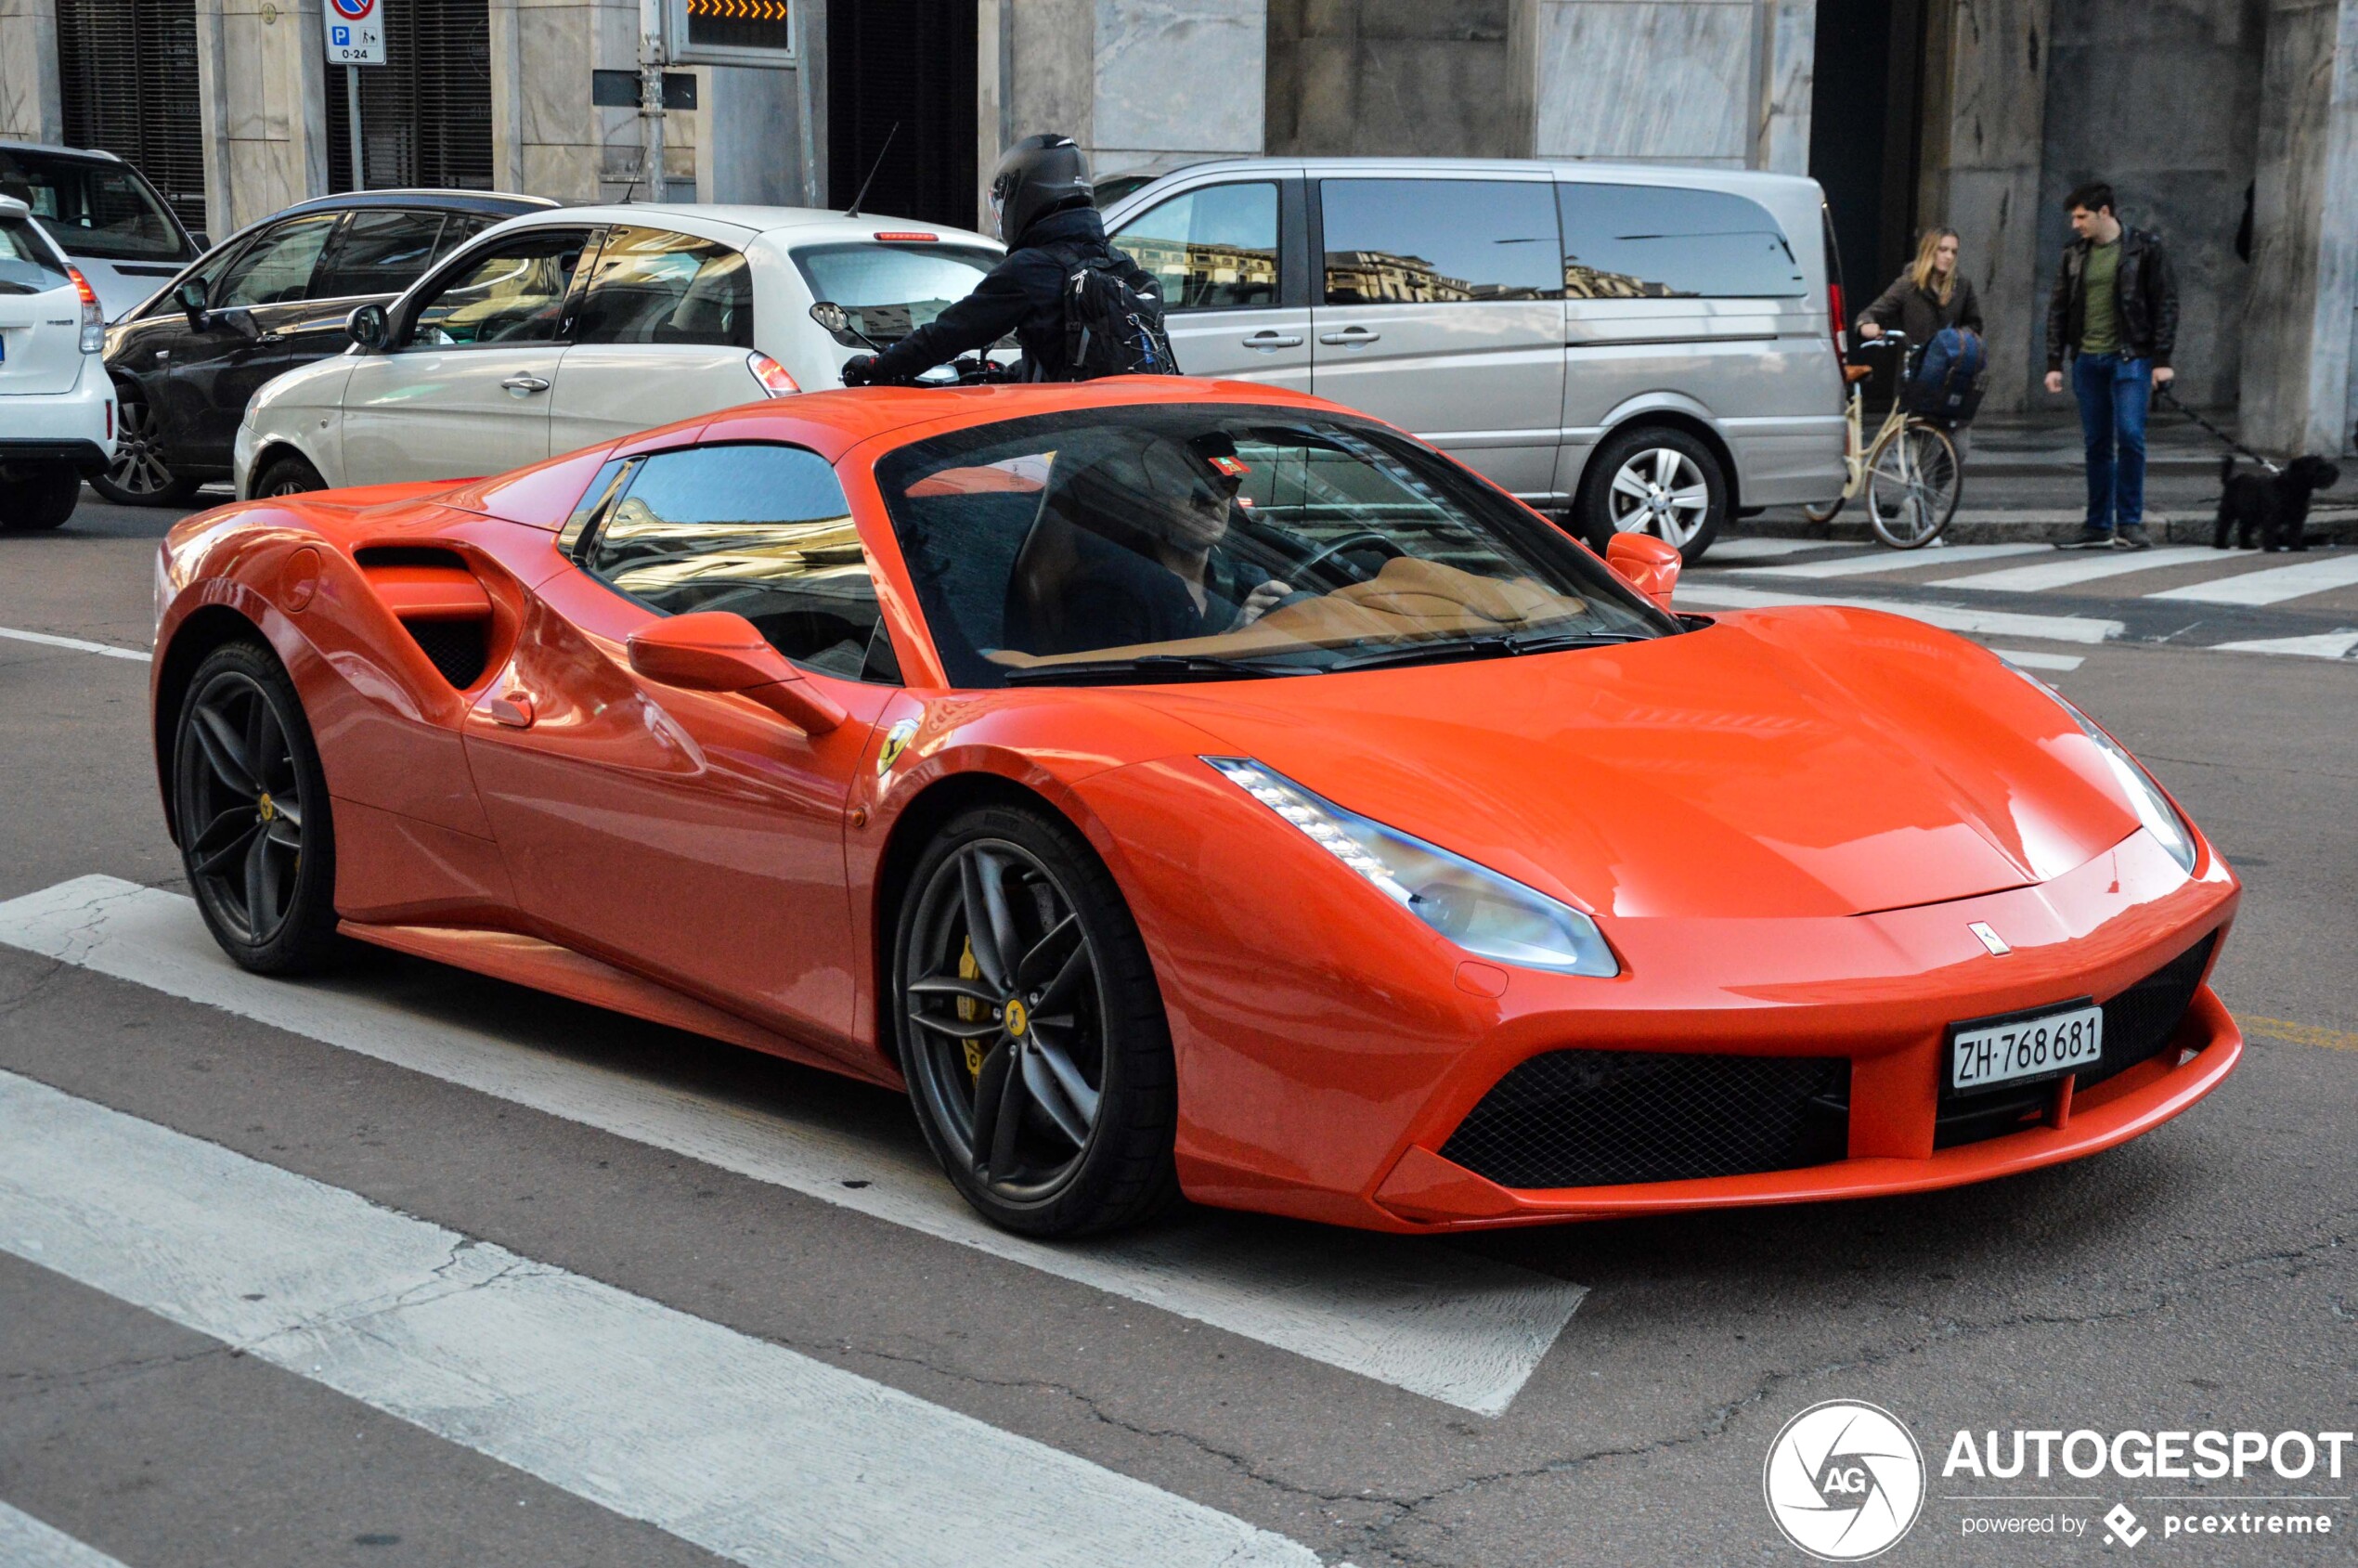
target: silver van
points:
(1642, 347)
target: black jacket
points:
(2145, 289)
(1912, 310)
(1024, 294)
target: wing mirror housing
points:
(368, 326)
(715, 651)
(191, 296)
(1649, 564)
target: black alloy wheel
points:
(288, 476)
(138, 475)
(252, 807)
(1030, 1028)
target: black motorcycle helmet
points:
(1038, 175)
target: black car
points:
(269, 298)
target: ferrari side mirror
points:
(715, 651)
(1646, 563)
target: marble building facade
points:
(2198, 110)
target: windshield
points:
(1178, 544)
(92, 208)
(890, 291)
(28, 264)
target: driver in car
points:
(1152, 562)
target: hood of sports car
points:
(1805, 762)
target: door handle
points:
(525, 385)
(511, 708)
(1350, 337)
(1269, 342)
(270, 337)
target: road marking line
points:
(2275, 585)
(1405, 1311)
(2301, 1034)
(1892, 561)
(2323, 645)
(2080, 567)
(49, 641)
(743, 1448)
(2027, 660)
(25, 1542)
(1953, 617)
(1765, 549)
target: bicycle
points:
(1912, 472)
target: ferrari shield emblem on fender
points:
(896, 742)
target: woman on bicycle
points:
(1929, 296)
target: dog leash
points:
(2166, 395)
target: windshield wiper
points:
(1151, 668)
(1508, 642)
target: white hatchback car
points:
(562, 329)
(57, 406)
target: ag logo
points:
(1844, 1480)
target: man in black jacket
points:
(1043, 207)
(2114, 312)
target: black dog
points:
(2275, 506)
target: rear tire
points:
(251, 800)
(44, 498)
(1030, 1028)
(287, 475)
(1654, 479)
(137, 474)
(1913, 486)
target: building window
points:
(425, 114)
(127, 80)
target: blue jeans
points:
(2114, 394)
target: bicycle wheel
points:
(1912, 487)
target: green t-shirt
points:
(2100, 291)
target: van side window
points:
(1421, 241)
(1648, 241)
(1213, 249)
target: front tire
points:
(1654, 479)
(256, 838)
(1912, 487)
(137, 474)
(287, 475)
(45, 499)
(1030, 1028)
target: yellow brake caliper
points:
(969, 1009)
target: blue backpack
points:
(1947, 386)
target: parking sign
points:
(355, 32)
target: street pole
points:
(802, 107)
(352, 118)
(650, 96)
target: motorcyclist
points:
(1043, 208)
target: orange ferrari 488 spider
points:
(1194, 788)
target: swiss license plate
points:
(2041, 1046)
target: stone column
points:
(1788, 57)
(1985, 120)
(261, 86)
(1443, 78)
(1706, 82)
(2297, 393)
(30, 110)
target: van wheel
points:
(44, 497)
(289, 475)
(1658, 480)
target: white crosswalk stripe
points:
(25, 1542)
(2072, 567)
(750, 1451)
(74, 645)
(1765, 549)
(1712, 594)
(2324, 645)
(1893, 561)
(2274, 585)
(1449, 1324)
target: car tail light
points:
(772, 375)
(94, 320)
(1833, 310)
(907, 236)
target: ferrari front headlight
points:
(1488, 914)
(2153, 807)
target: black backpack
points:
(1111, 329)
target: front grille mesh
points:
(1603, 1117)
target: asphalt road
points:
(595, 1244)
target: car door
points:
(1442, 310)
(462, 389)
(696, 836)
(374, 254)
(663, 333)
(240, 340)
(1232, 258)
